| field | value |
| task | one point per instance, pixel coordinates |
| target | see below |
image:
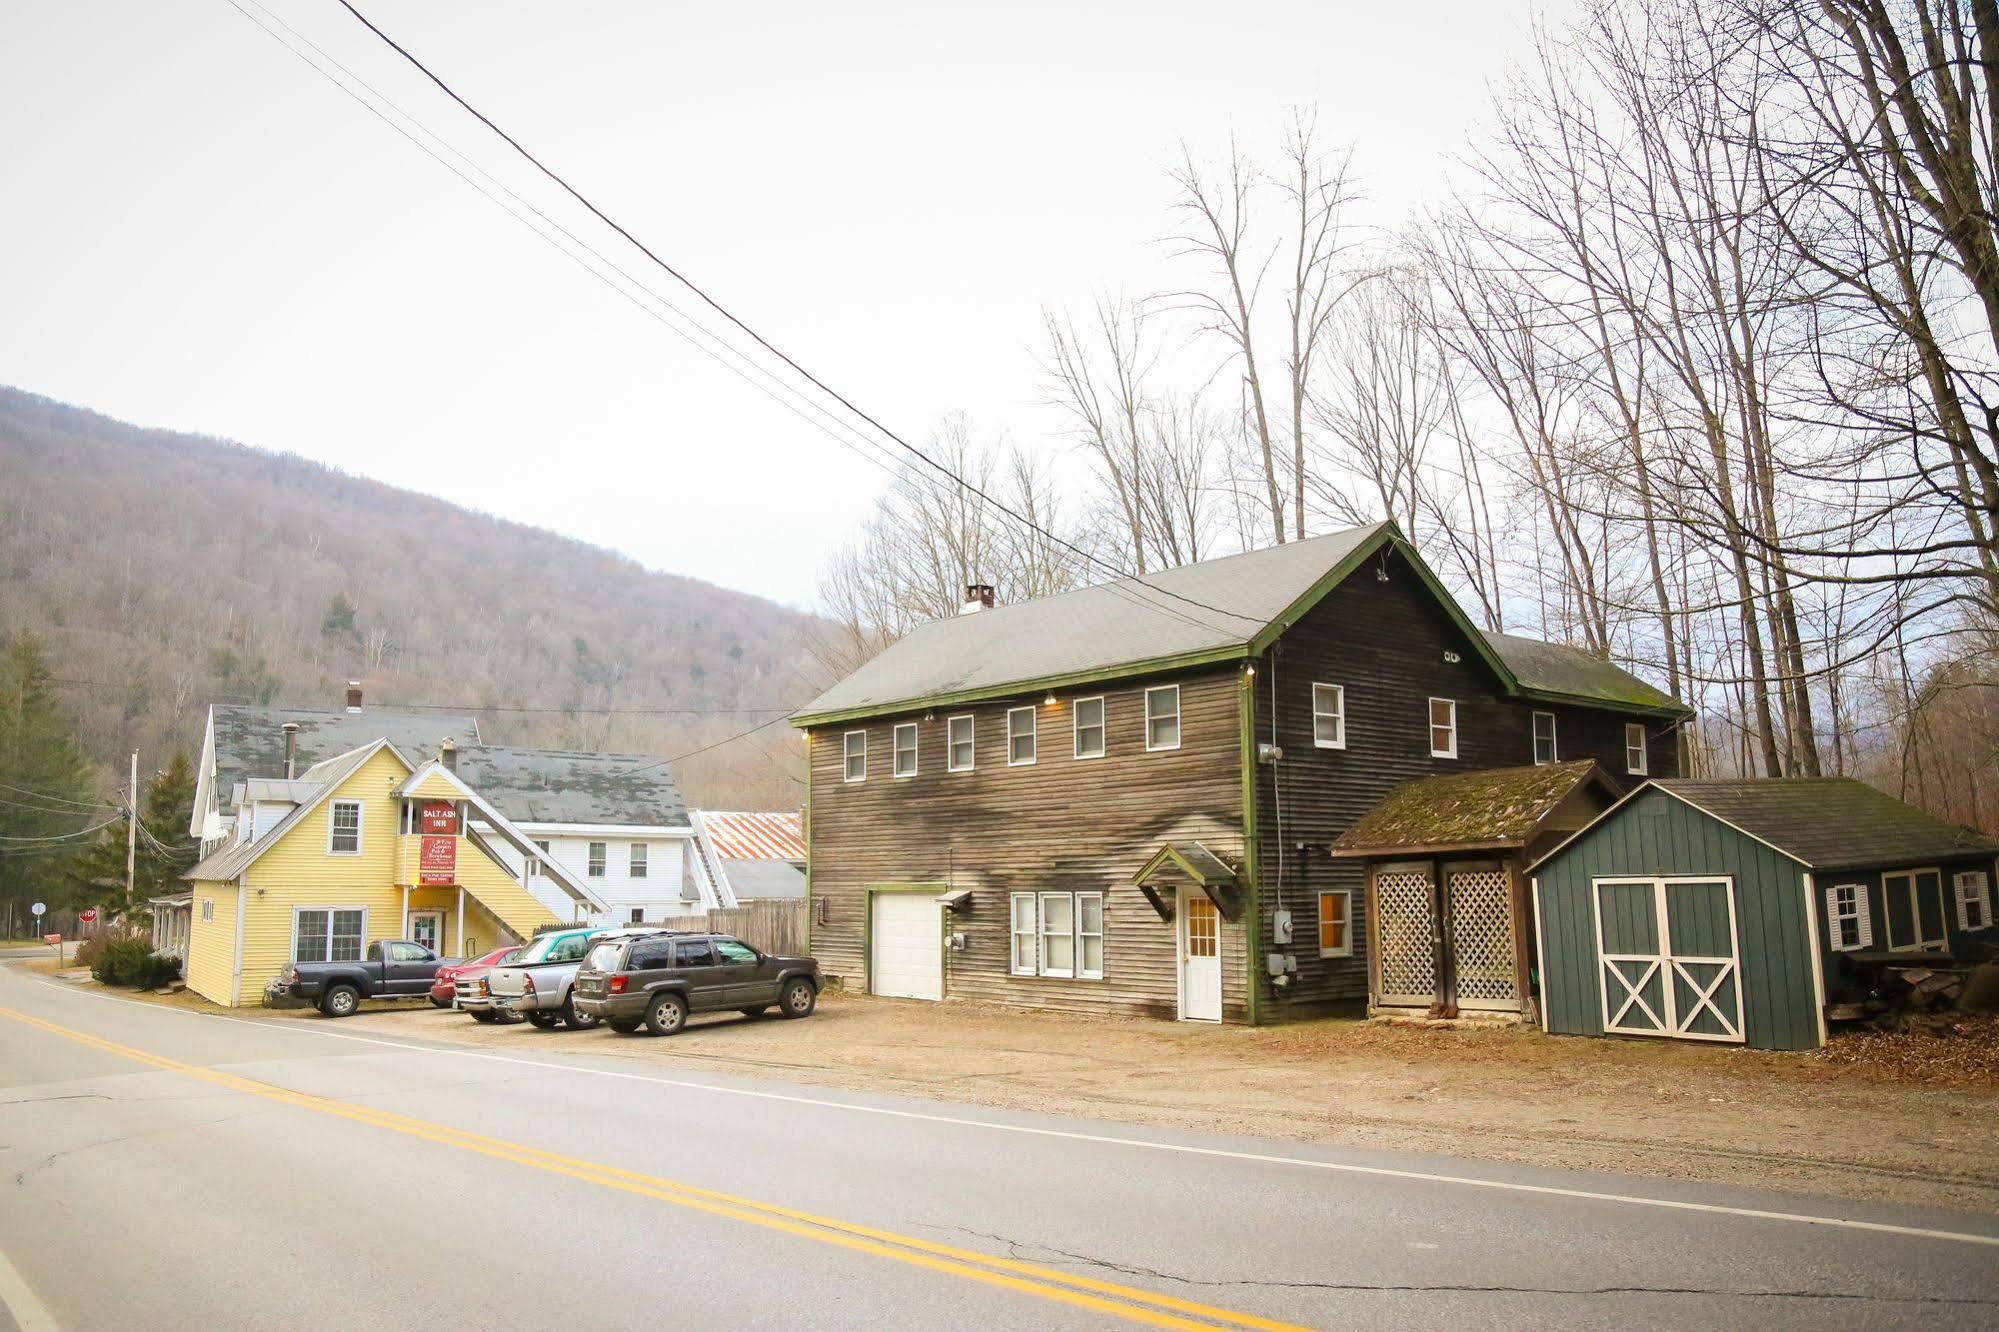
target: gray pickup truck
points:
(390, 969)
(537, 984)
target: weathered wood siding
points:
(1385, 643)
(1656, 835)
(1059, 824)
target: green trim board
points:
(1207, 876)
(868, 926)
(1252, 911)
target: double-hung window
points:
(1057, 934)
(1443, 728)
(343, 828)
(638, 861)
(1847, 914)
(1162, 717)
(328, 934)
(1019, 736)
(1336, 923)
(1634, 748)
(535, 862)
(1544, 738)
(1089, 728)
(1329, 716)
(598, 854)
(905, 750)
(856, 751)
(959, 747)
(1974, 899)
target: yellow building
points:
(366, 845)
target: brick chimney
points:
(978, 597)
(291, 749)
(447, 754)
(353, 695)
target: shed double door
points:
(1668, 958)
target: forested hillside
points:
(164, 571)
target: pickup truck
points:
(537, 984)
(390, 969)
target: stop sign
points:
(87, 915)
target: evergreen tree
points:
(48, 803)
(96, 877)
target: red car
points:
(445, 985)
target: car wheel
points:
(800, 998)
(623, 1026)
(756, 1012)
(541, 1019)
(484, 1015)
(574, 1020)
(340, 1001)
(666, 1015)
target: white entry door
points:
(1200, 957)
(906, 947)
(427, 928)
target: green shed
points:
(1736, 911)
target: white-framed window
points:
(1089, 727)
(903, 754)
(855, 749)
(1057, 934)
(599, 853)
(1019, 736)
(1850, 924)
(1025, 945)
(638, 860)
(1974, 899)
(1544, 738)
(960, 743)
(1443, 728)
(1336, 923)
(1329, 716)
(343, 828)
(1162, 717)
(534, 862)
(208, 911)
(328, 934)
(638, 916)
(1635, 761)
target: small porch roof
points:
(1494, 809)
(1200, 866)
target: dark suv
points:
(658, 978)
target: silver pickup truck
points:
(537, 984)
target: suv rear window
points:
(604, 957)
(696, 953)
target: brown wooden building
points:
(1121, 798)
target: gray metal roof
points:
(1207, 610)
(569, 786)
(1831, 822)
(250, 741)
(764, 878)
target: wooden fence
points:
(775, 925)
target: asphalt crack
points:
(1025, 1249)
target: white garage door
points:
(907, 949)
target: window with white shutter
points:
(1974, 900)
(1850, 923)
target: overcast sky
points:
(202, 233)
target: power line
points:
(57, 799)
(499, 707)
(763, 342)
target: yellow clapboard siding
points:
(211, 944)
(436, 786)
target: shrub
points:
(123, 962)
(89, 952)
(160, 971)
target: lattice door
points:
(1406, 934)
(1481, 937)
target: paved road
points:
(164, 1169)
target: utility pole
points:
(131, 831)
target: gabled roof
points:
(569, 786)
(250, 741)
(1217, 610)
(741, 835)
(326, 776)
(1488, 809)
(1829, 823)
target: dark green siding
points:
(1842, 982)
(1656, 835)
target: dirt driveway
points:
(1797, 1122)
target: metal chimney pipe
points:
(291, 749)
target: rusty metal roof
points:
(744, 835)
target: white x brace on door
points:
(1668, 957)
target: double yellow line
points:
(1106, 1297)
